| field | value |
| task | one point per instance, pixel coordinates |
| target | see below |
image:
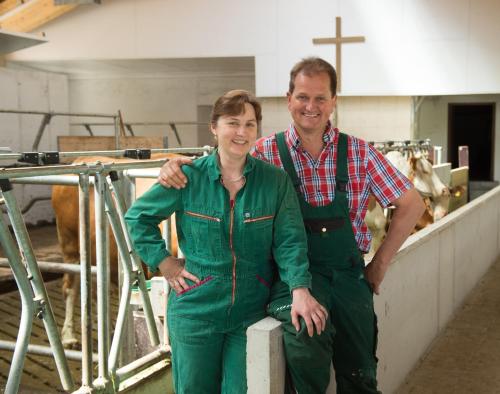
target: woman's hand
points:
(313, 313)
(174, 272)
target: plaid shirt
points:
(368, 170)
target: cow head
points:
(429, 185)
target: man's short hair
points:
(311, 66)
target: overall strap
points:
(286, 159)
(341, 175)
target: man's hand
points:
(174, 272)
(171, 174)
(374, 275)
(313, 313)
(409, 207)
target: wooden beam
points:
(33, 14)
(7, 5)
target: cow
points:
(419, 170)
(65, 205)
(435, 194)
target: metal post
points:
(27, 308)
(126, 285)
(117, 131)
(45, 351)
(38, 286)
(85, 279)
(102, 281)
(137, 268)
(45, 121)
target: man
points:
(334, 175)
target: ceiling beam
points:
(7, 5)
(32, 14)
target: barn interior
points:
(421, 72)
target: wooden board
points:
(87, 143)
(459, 187)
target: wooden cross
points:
(338, 40)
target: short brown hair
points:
(312, 66)
(233, 103)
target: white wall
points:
(152, 99)
(433, 121)
(413, 47)
(369, 118)
(32, 91)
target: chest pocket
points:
(258, 234)
(203, 231)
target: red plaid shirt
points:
(368, 170)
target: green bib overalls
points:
(338, 283)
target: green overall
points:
(338, 283)
(228, 245)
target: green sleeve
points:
(290, 240)
(143, 218)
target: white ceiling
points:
(142, 67)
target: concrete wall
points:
(429, 279)
(32, 91)
(433, 121)
(152, 99)
(371, 118)
(426, 283)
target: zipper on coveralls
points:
(199, 215)
(231, 224)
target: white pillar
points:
(265, 357)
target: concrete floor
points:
(465, 358)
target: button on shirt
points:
(369, 173)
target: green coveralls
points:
(228, 246)
(338, 282)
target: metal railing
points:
(48, 115)
(109, 206)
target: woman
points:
(235, 213)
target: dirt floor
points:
(465, 358)
(40, 374)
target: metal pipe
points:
(53, 113)
(45, 351)
(142, 173)
(38, 286)
(142, 363)
(10, 156)
(102, 281)
(27, 308)
(86, 168)
(117, 130)
(136, 266)
(45, 121)
(185, 123)
(114, 153)
(63, 180)
(85, 279)
(49, 266)
(126, 285)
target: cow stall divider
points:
(48, 115)
(109, 206)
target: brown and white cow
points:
(65, 204)
(434, 193)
